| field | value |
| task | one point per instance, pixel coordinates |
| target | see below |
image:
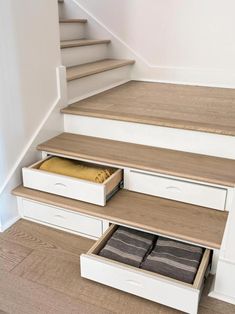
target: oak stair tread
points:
(91, 68)
(194, 108)
(83, 42)
(73, 21)
(165, 161)
(183, 221)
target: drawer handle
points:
(134, 283)
(173, 188)
(59, 216)
(61, 185)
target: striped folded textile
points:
(128, 246)
(174, 259)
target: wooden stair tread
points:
(73, 21)
(82, 42)
(170, 218)
(183, 164)
(87, 69)
(203, 109)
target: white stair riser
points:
(85, 54)
(93, 84)
(157, 136)
(70, 31)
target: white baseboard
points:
(221, 297)
(9, 223)
(40, 126)
(51, 125)
(145, 70)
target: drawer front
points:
(179, 190)
(136, 282)
(65, 186)
(62, 218)
(161, 289)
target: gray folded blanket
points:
(128, 246)
(174, 259)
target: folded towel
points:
(174, 259)
(77, 169)
(128, 246)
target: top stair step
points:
(165, 161)
(194, 108)
(87, 69)
(73, 21)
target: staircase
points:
(89, 65)
(174, 144)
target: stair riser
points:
(70, 31)
(93, 84)
(177, 139)
(85, 54)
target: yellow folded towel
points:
(77, 169)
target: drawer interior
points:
(199, 279)
(110, 182)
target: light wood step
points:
(83, 42)
(203, 109)
(73, 21)
(87, 69)
(200, 225)
(176, 163)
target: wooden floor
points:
(39, 271)
(178, 106)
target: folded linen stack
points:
(174, 259)
(77, 169)
(160, 255)
(128, 246)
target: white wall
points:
(29, 57)
(185, 41)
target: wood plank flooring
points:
(44, 278)
(187, 165)
(201, 225)
(178, 106)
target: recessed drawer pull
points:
(60, 185)
(59, 216)
(173, 188)
(134, 283)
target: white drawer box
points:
(176, 189)
(83, 190)
(161, 289)
(58, 217)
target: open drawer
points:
(79, 189)
(146, 284)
